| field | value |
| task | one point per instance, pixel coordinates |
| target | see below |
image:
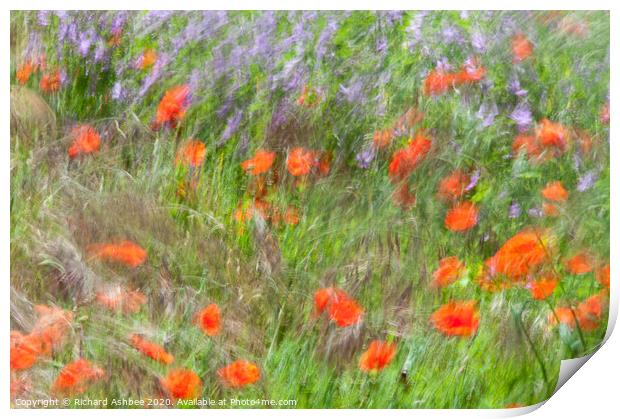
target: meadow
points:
(390, 209)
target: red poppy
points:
(602, 276)
(192, 153)
(542, 287)
(382, 138)
(344, 310)
(550, 210)
(76, 376)
(182, 384)
(528, 143)
(405, 160)
(457, 318)
(50, 329)
(450, 268)
(378, 356)
(24, 352)
(50, 82)
(554, 191)
(522, 48)
(120, 299)
(453, 186)
(173, 106)
(150, 349)
(24, 72)
(124, 252)
(301, 161)
(462, 216)
(438, 82)
(581, 263)
(291, 215)
(260, 163)
(564, 315)
(552, 135)
(239, 374)
(209, 319)
(470, 73)
(86, 141)
(589, 312)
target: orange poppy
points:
(301, 161)
(172, 106)
(462, 216)
(344, 310)
(148, 59)
(552, 135)
(209, 319)
(50, 82)
(527, 143)
(470, 74)
(76, 376)
(382, 138)
(24, 72)
(182, 384)
(192, 153)
(602, 276)
(124, 252)
(581, 263)
(23, 352)
(378, 356)
(543, 287)
(260, 163)
(324, 163)
(457, 318)
(239, 374)
(86, 141)
(522, 48)
(405, 160)
(120, 299)
(150, 349)
(520, 255)
(323, 297)
(438, 82)
(550, 210)
(589, 312)
(50, 329)
(291, 215)
(554, 191)
(449, 270)
(453, 186)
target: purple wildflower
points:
(473, 180)
(231, 127)
(478, 42)
(43, 17)
(587, 180)
(522, 116)
(452, 35)
(354, 93)
(365, 157)
(487, 113)
(515, 210)
(443, 65)
(117, 91)
(514, 87)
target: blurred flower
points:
(182, 384)
(124, 252)
(522, 116)
(478, 42)
(300, 161)
(514, 87)
(473, 180)
(406, 159)
(378, 356)
(461, 217)
(365, 157)
(457, 318)
(260, 163)
(192, 153)
(449, 270)
(118, 298)
(85, 141)
(587, 180)
(555, 191)
(452, 187)
(579, 264)
(239, 374)
(521, 47)
(231, 126)
(487, 113)
(76, 376)
(150, 349)
(209, 319)
(542, 287)
(173, 106)
(515, 210)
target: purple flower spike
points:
(515, 210)
(522, 116)
(473, 181)
(587, 180)
(365, 157)
(487, 113)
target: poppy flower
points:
(291, 215)
(257, 207)
(552, 135)
(470, 73)
(24, 352)
(405, 160)
(50, 329)
(589, 312)
(453, 186)
(209, 319)
(522, 48)
(124, 252)
(378, 356)
(150, 349)
(50, 82)
(76, 376)
(260, 163)
(449, 270)
(24, 72)
(86, 140)
(239, 374)
(323, 297)
(581, 263)
(457, 318)
(344, 310)
(527, 143)
(554, 191)
(438, 82)
(520, 255)
(402, 196)
(381, 139)
(192, 153)
(120, 299)
(462, 216)
(148, 59)
(550, 210)
(301, 161)
(324, 163)
(182, 384)
(173, 106)
(602, 276)
(542, 287)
